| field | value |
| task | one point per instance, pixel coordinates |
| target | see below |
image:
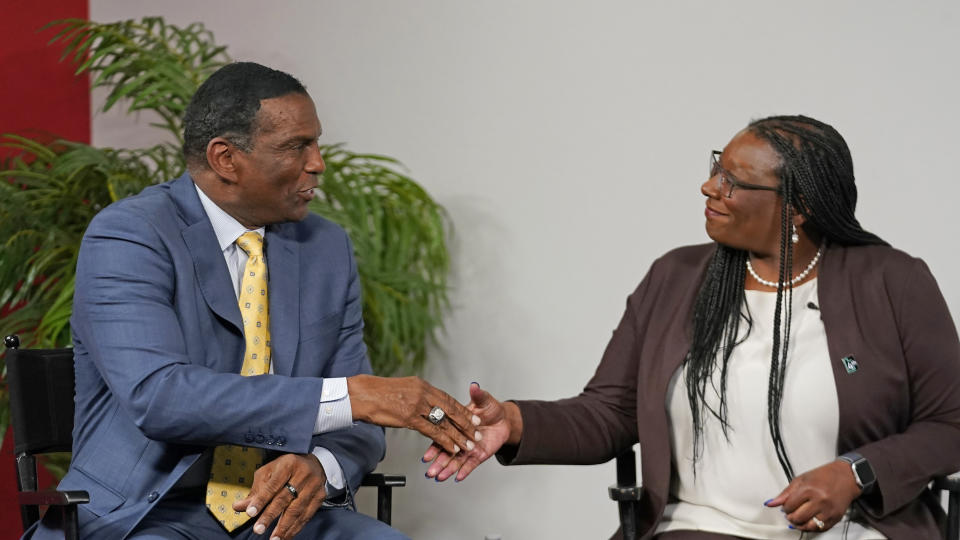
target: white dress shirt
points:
(335, 411)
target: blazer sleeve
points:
(125, 317)
(930, 445)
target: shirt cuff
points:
(335, 411)
(332, 469)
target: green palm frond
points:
(399, 238)
(49, 194)
(148, 64)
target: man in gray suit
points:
(224, 270)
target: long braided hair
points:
(816, 179)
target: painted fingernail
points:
(259, 528)
(790, 526)
(456, 449)
(478, 436)
(470, 445)
(766, 502)
(252, 511)
(476, 383)
(475, 420)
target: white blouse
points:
(738, 472)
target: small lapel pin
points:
(850, 364)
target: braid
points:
(778, 360)
(716, 318)
(816, 162)
(816, 176)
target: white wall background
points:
(568, 141)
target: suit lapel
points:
(283, 272)
(201, 241)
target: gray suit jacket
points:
(900, 409)
(159, 344)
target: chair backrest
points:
(41, 399)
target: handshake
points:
(291, 488)
(463, 436)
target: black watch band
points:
(862, 471)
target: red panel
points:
(38, 95)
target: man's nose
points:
(315, 164)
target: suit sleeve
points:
(124, 316)
(360, 447)
(904, 463)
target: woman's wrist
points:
(514, 421)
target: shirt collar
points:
(225, 226)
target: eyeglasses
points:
(726, 181)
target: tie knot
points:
(252, 243)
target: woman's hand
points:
(823, 493)
(406, 402)
(500, 423)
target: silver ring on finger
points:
(436, 415)
(820, 524)
(293, 491)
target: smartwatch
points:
(862, 471)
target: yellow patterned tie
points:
(231, 474)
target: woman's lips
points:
(711, 213)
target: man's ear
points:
(221, 157)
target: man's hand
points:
(501, 423)
(305, 474)
(825, 493)
(405, 402)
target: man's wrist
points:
(359, 404)
(332, 473)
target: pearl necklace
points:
(794, 281)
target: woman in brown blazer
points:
(721, 367)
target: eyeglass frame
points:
(724, 175)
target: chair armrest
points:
(53, 498)
(950, 483)
(625, 493)
(384, 480)
(384, 484)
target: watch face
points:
(865, 473)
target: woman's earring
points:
(794, 237)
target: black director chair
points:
(41, 386)
(952, 485)
(627, 493)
